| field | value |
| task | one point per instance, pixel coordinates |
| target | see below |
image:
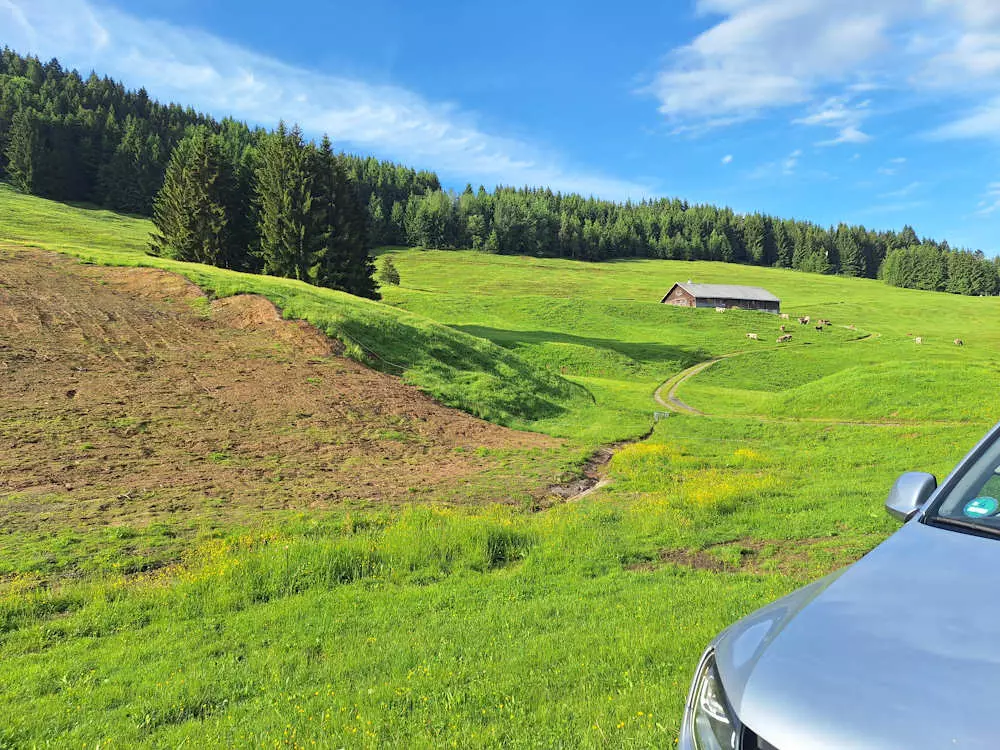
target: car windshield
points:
(975, 496)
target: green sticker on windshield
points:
(981, 507)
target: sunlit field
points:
(569, 624)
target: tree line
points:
(264, 202)
(223, 193)
(540, 222)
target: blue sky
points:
(880, 112)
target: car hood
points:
(900, 650)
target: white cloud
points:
(848, 134)
(791, 161)
(773, 53)
(762, 55)
(903, 192)
(771, 170)
(841, 114)
(982, 122)
(991, 200)
(727, 159)
(214, 75)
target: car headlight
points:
(714, 725)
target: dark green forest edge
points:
(238, 197)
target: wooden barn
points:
(722, 296)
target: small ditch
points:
(593, 471)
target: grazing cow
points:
(720, 309)
(918, 340)
(784, 339)
(784, 316)
(783, 329)
(753, 336)
(803, 321)
(959, 342)
(825, 322)
(819, 328)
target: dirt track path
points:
(673, 402)
(666, 396)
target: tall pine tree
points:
(189, 212)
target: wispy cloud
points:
(904, 191)
(981, 122)
(772, 55)
(791, 161)
(841, 114)
(771, 170)
(990, 203)
(893, 208)
(727, 159)
(218, 76)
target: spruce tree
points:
(376, 220)
(852, 258)
(350, 231)
(21, 151)
(388, 274)
(125, 182)
(284, 204)
(189, 211)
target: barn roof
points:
(727, 291)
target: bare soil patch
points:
(251, 312)
(594, 472)
(790, 557)
(126, 397)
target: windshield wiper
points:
(961, 523)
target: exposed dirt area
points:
(791, 557)
(593, 472)
(127, 397)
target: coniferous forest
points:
(223, 193)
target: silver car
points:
(899, 650)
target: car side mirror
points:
(909, 494)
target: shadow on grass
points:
(645, 352)
(465, 371)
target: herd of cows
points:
(785, 336)
(805, 320)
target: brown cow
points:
(783, 339)
(803, 321)
(783, 329)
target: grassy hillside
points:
(457, 369)
(576, 626)
(601, 324)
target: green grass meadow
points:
(574, 626)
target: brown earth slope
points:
(127, 397)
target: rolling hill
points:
(231, 533)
